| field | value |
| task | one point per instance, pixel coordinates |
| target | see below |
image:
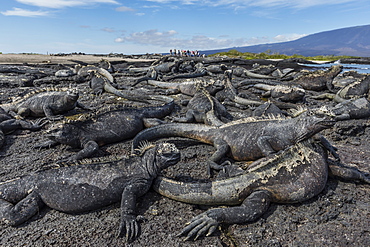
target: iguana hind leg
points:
(17, 214)
(206, 223)
(222, 148)
(348, 173)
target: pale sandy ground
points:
(36, 58)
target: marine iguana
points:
(231, 93)
(285, 93)
(8, 124)
(198, 110)
(244, 139)
(100, 83)
(198, 73)
(349, 109)
(152, 74)
(355, 90)
(45, 102)
(294, 175)
(268, 109)
(88, 186)
(318, 80)
(189, 87)
(104, 127)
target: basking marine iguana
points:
(8, 124)
(231, 93)
(318, 80)
(189, 87)
(104, 127)
(100, 82)
(358, 89)
(296, 174)
(89, 186)
(45, 102)
(285, 93)
(244, 139)
(349, 109)
(199, 107)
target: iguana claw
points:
(129, 228)
(199, 226)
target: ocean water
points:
(360, 68)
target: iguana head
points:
(311, 125)
(72, 94)
(163, 154)
(64, 134)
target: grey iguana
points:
(244, 139)
(88, 186)
(104, 127)
(47, 102)
(296, 174)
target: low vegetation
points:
(271, 55)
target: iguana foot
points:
(129, 228)
(214, 166)
(200, 225)
(39, 123)
(55, 118)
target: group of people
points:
(184, 53)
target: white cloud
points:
(119, 40)
(25, 13)
(56, 4)
(258, 3)
(108, 30)
(124, 9)
(288, 37)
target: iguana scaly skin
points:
(245, 139)
(107, 126)
(88, 186)
(45, 102)
(296, 174)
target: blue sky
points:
(150, 26)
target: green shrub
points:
(271, 55)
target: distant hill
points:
(351, 41)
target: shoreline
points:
(65, 59)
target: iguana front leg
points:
(49, 114)
(222, 148)
(206, 223)
(129, 227)
(82, 106)
(47, 144)
(89, 148)
(265, 146)
(14, 124)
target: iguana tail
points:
(200, 132)
(158, 111)
(163, 84)
(220, 192)
(129, 96)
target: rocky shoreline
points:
(338, 216)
